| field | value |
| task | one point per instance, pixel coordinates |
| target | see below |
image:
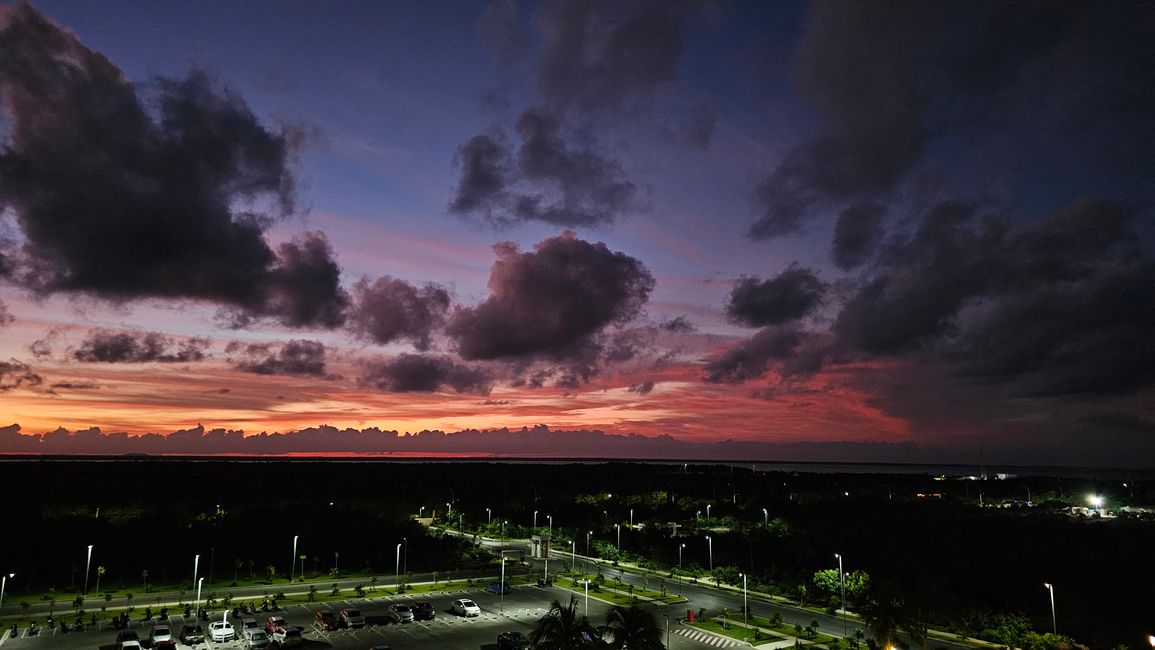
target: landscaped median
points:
(613, 591)
(761, 630)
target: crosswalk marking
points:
(707, 638)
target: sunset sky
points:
(926, 224)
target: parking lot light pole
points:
(4, 584)
(619, 527)
(631, 517)
(397, 569)
(746, 610)
(405, 555)
(680, 547)
(550, 518)
(1054, 621)
(710, 541)
(587, 581)
(708, 505)
(501, 606)
(200, 581)
(87, 566)
(196, 568)
(765, 517)
(488, 516)
(293, 562)
(842, 585)
(535, 520)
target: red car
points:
(326, 620)
(273, 622)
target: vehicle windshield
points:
(258, 635)
(468, 603)
(402, 608)
(352, 612)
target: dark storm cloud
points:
(600, 54)
(498, 28)
(677, 325)
(858, 231)
(125, 193)
(551, 180)
(106, 346)
(15, 374)
(889, 79)
(554, 302)
(390, 310)
(295, 358)
(414, 373)
(644, 388)
(794, 293)
(788, 348)
(6, 317)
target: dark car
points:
(326, 620)
(126, 635)
(423, 610)
(498, 588)
(192, 635)
(513, 641)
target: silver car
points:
(257, 638)
(399, 613)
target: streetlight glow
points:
(87, 565)
(842, 584)
(293, 562)
(4, 584)
(710, 541)
(1054, 621)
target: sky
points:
(901, 231)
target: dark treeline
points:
(957, 560)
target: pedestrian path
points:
(707, 638)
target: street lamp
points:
(200, 581)
(449, 512)
(550, 518)
(488, 516)
(1054, 621)
(293, 562)
(87, 565)
(631, 517)
(708, 505)
(572, 555)
(745, 610)
(397, 569)
(710, 541)
(3, 584)
(588, 533)
(420, 511)
(842, 584)
(405, 555)
(196, 568)
(587, 583)
(535, 520)
(680, 547)
(501, 606)
(765, 517)
(619, 527)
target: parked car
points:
(160, 635)
(380, 647)
(513, 641)
(257, 638)
(352, 618)
(326, 620)
(498, 588)
(130, 645)
(423, 610)
(399, 613)
(126, 635)
(273, 622)
(287, 635)
(192, 635)
(465, 607)
(249, 624)
(221, 631)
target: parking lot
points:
(523, 606)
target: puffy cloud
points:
(553, 303)
(677, 325)
(411, 373)
(389, 309)
(16, 374)
(551, 180)
(890, 80)
(790, 350)
(106, 346)
(6, 317)
(295, 358)
(794, 293)
(857, 234)
(125, 193)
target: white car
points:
(221, 631)
(465, 607)
(257, 638)
(130, 645)
(288, 635)
(159, 634)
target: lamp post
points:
(708, 505)
(87, 566)
(420, 511)
(1054, 621)
(765, 517)
(842, 585)
(200, 581)
(449, 511)
(710, 541)
(4, 584)
(680, 547)
(488, 516)
(588, 534)
(606, 518)
(587, 584)
(501, 606)
(293, 561)
(572, 556)
(667, 630)
(619, 527)
(397, 569)
(196, 568)
(405, 555)
(745, 610)
(550, 518)
(535, 520)
(631, 517)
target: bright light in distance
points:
(1095, 500)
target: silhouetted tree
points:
(562, 628)
(634, 628)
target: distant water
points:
(799, 467)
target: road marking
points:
(707, 638)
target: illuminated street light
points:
(745, 609)
(397, 570)
(588, 534)
(293, 561)
(535, 520)
(710, 541)
(87, 565)
(200, 581)
(3, 584)
(550, 518)
(619, 527)
(587, 583)
(765, 517)
(488, 516)
(420, 511)
(842, 584)
(708, 505)
(631, 517)
(572, 555)
(196, 568)
(680, 547)
(1054, 621)
(501, 606)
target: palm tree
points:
(562, 628)
(884, 613)
(100, 571)
(633, 628)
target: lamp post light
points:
(589, 533)
(631, 517)
(405, 555)
(619, 527)
(550, 518)
(842, 585)
(1151, 640)
(710, 541)
(87, 566)
(420, 511)
(4, 584)
(449, 512)
(293, 562)
(680, 547)
(606, 518)
(200, 581)
(708, 505)
(1054, 621)
(397, 568)
(765, 517)
(572, 556)
(196, 568)
(535, 520)
(488, 516)
(667, 630)
(745, 610)
(501, 606)
(587, 585)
